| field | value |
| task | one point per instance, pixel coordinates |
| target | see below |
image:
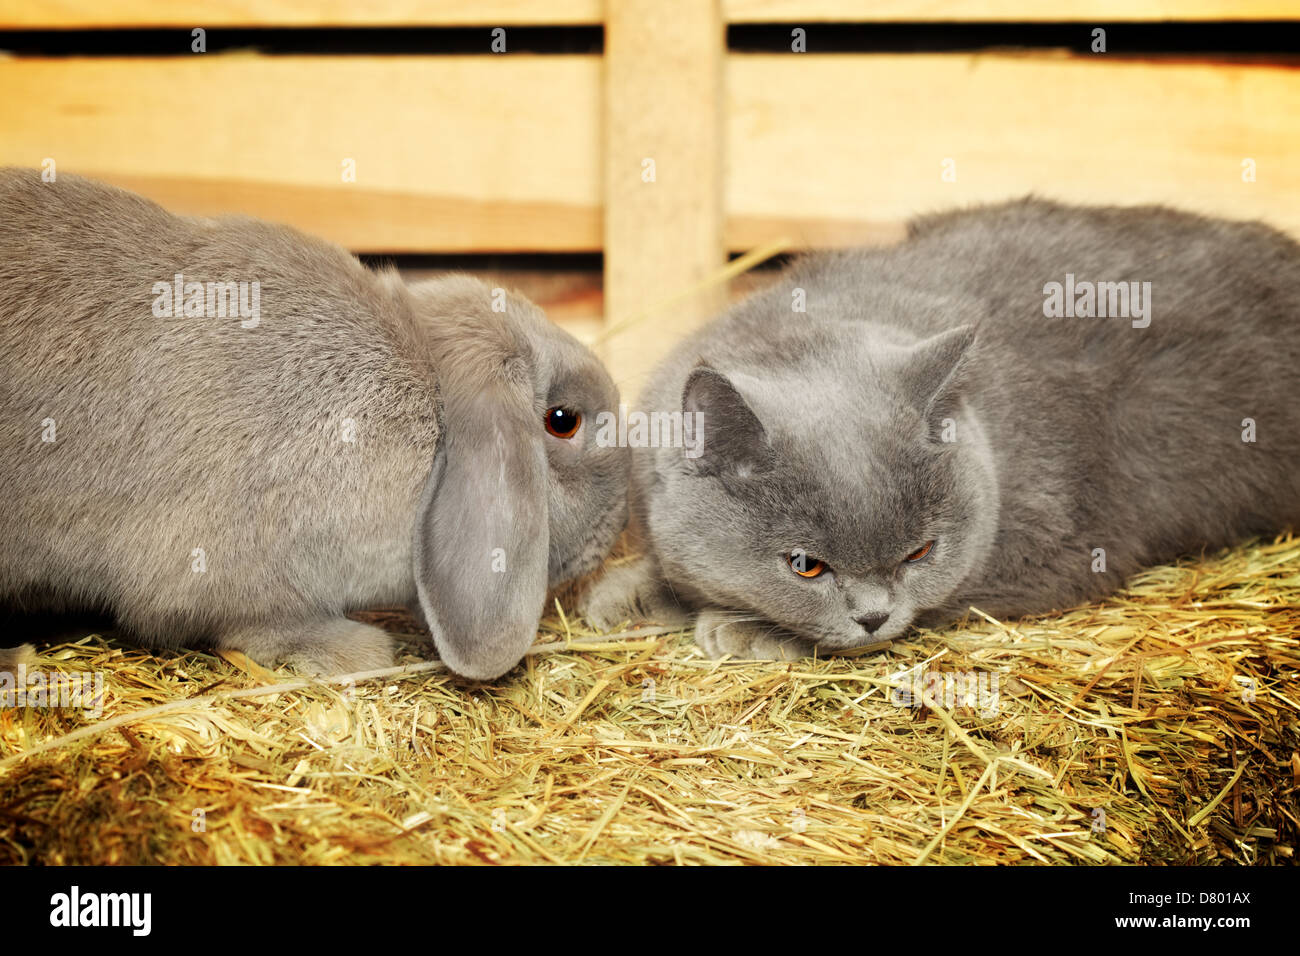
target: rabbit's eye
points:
(805, 566)
(921, 552)
(562, 423)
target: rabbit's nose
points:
(871, 622)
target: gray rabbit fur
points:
(231, 485)
(925, 396)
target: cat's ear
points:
(718, 420)
(932, 373)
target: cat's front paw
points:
(720, 634)
(630, 593)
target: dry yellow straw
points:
(1157, 727)
(341, 680)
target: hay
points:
(1171, 709)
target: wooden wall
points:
(520, 152)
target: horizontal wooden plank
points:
(476, 154)
(451, 153)
(142, 14)
(139, 14)
(843, 145)
(375, 220)
(1010, 11)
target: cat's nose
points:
(871, 622)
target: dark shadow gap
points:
(489, 262)
(1270, 38)
(1279, 38)
(367, 41)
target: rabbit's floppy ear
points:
(482, 542)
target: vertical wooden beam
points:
(663, 171)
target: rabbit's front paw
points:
(720, 635)
(630, 593)
(11, 658)
(350, 647)
(322, 648)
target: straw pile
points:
(1159, 727)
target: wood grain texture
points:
(83, 14)
(1010, 11)
(478, 154)
(663, 238)
(826, 146)
(452, 153)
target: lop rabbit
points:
(228, 434)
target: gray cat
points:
(228, 434)
(1014, 409)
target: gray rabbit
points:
(1016, 408)
(228, 434)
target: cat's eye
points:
(805, 566)
(563, 422)
(921, 552)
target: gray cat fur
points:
(823, 431)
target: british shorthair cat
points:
(1014, 409)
